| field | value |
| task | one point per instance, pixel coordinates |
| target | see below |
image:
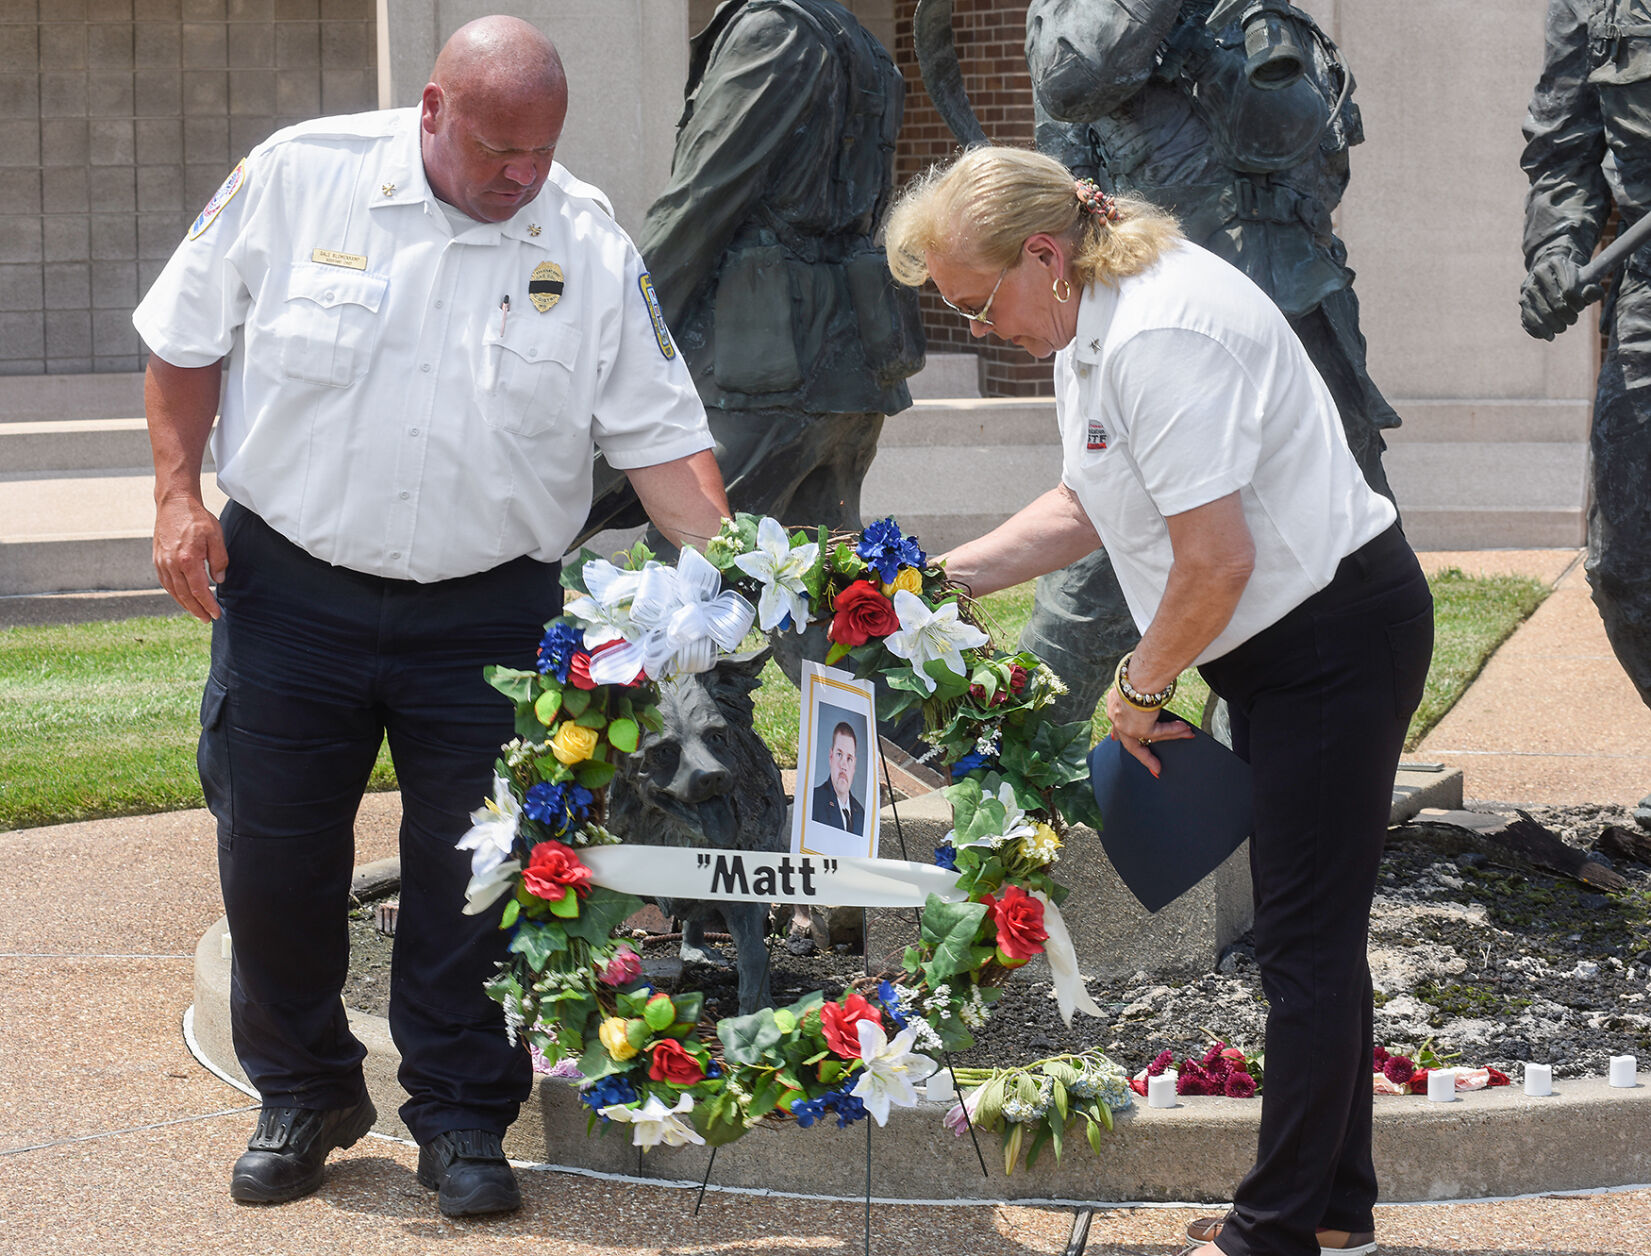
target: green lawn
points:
(101, 719)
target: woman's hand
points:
(1138, 729)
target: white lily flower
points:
(605, 615)
(486, 889)
(890, 1069)
(653, 1123)
(926, 635)
(1015, 823)
(781, 569)
(492, 833)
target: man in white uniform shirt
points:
(415, 328)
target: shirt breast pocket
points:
(526, 375)
(329, 326)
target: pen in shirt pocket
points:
(504, 312)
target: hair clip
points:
(1095, 201)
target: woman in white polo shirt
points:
(1204, 451)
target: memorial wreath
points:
(576, 994)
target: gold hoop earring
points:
(1056, 289)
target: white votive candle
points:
(1622, 1070)
(1161, 1091)
(1539, 1079)
(939, 1087)
(1441, 1085)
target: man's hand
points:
(189, 554)
(1552, 295)
(181, 403)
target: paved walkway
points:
(113, 1140)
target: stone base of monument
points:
(1115, 937)
(1490, 1143)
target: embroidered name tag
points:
(330, 257)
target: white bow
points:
(679, 619)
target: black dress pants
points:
(1320, 702)
(312, 667)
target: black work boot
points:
(468, 1168)
(284, 1156)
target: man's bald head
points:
(492, 115)
(499, 58)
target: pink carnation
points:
(624, 968)
(1194, 1081)
(1239, 1085)
(1380, 1058)
(1160, 1062)
(1213, 1054)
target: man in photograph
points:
(834, 803)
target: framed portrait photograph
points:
(835, 812)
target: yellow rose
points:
(908, 578)
(613, 1038)
(573, 744)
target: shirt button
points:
(439, 304)
(425, 367)
(402, 494)
(532, 353)
(326, 296)
(395, 553)
(412, 431)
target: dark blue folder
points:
(1166, 834)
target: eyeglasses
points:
(981, 315)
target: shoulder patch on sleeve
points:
(662, 333)
(220, 198)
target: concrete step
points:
(36, 398)
(1492, 420)
(1457, 495)
(57, 445)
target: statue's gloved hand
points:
(1553, 295)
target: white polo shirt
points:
(1185, 384)
(380, 409)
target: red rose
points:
(674, 1065)
(1239, 1086)
(579, 671)
(862, 613)
(841, 1022)
(1418, 1082)
(1139, 1086)
(1497, 1077)
(978, 693)
(552, 870)
(1019, 920)
(1018, 676)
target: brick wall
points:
(991, 38)
(118, 119)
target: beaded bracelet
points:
(1140, 701)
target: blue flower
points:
(607, 1092)
(883, 546)
(892, 1003)
(946, 857)
(849, 1109)
(558, 807)
(808, 1111)
(971, 762)
(557, 648)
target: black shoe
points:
(468, 1168)
(284, 1156)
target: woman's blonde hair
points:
(984, 206)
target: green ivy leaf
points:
(536, 942)
(547, 706)
(573, 574)
(512, 909)
(623, 735)
(602, 912)
(564, 908)
(515, 685)
(950, 930)
(575, 701)
(594, 773)
(593, 718)
(749, 1039)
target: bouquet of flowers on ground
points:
(1395, 1073)
(1046, 1098)
(576, 994)
(1223, 1071)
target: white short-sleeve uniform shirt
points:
(1185, 384)
(380, 408)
